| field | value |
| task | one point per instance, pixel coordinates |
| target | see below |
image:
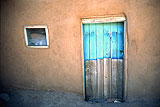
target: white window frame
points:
(36, 26)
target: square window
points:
(36, 36)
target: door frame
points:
(108, 19)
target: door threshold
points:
(114, 101)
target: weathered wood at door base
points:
(91, 79)
(88, 80)
(107, 78)
(117, 70)
(100, 71)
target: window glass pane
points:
(36, 37)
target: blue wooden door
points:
(103, 47)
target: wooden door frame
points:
(108, 19)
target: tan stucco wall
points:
(59, 66)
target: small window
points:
(36, 36)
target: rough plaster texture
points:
(59, 67)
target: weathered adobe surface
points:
(59, 67)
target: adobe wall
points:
(59, 67)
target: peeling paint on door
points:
(103, 47)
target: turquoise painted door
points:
(103, 47)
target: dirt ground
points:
(28, 98)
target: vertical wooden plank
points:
(119, 78)
(100, 94)
(120, 52)
(99, 28)
(120, 40)
(114, 78)
(92, 42)
(120, 59)
(91, 79)
(110, 78)
(114, 43)
(87, 63)
(92, 56)
(107, 41)
(107, 77)
(88, 81)
(86, 41)
(107, 60)
(93, 73)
